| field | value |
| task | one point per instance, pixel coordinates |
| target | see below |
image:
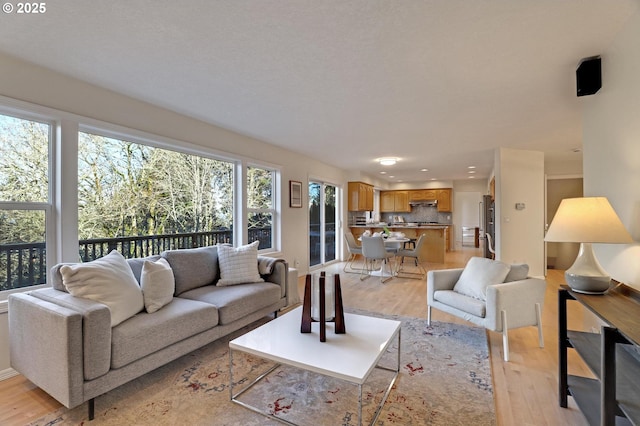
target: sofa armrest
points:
(279, 274)
(518, 299)
(441, 279)
(45, 341)
(96, 329)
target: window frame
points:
(61, 209)
(275, 206)
(34, 114)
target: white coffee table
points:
(358, 351)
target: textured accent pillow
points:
(157, 283)
(519, 271)
(108, 280)
(478, 274)
(239, 265)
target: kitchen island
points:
(435, 243)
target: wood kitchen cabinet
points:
(444, 199)
(394, 201)
(360, 197)
(422, 195)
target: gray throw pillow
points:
(193, 268)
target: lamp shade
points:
(587, 220)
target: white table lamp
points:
(587, 220)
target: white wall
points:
(30, 83)
(520, 233)
(611, 128)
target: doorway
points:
(322, 223)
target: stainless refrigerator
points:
(487, 223)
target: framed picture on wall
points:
(295, 193)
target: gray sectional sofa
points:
(67, 346)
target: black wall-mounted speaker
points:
(589, 76)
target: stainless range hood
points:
(426, 203)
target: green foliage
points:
(130, 189)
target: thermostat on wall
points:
(519, 206)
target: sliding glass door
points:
(322, 223)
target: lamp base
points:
(587, 285)
(586, 275)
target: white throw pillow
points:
(107, 280)
(157, 283)
(478, 274)
(239, 265)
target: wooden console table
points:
(613, 355)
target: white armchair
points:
(490, 294)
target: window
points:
(260, 206)
(141, 200)
(25, 207)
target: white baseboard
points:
(8, 373)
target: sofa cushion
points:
(157, 283)
(239, 265)
(456, 300)
(146, 333)
(236, 301)
(478, 274)
(193, 268)
(518, 271)
(107, 280)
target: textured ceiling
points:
(438, 84)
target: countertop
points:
(429, 226)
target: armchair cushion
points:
(469, 305)
(519, 271)
(478, 274)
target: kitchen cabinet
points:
(444, 199)
(394, 201)
(360, 197)
(612, 397)
(422, 195)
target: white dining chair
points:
(373, 250)
(354, 251)
(413, 253)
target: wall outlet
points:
(296, 263)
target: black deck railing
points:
(25, 264)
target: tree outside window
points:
(128, 190)
(260, 206)
(24, 201)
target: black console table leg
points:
(563, 385)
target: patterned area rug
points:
(445, 379)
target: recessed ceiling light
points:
(434, 179)
(471, 171)
(471, 167)
(472, 177)
(391, 177)
(383, 173)
(424, 170)
(388, 161)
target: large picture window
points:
(24, 201)
(141, 200)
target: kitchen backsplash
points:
(422, 214)
(418, 214)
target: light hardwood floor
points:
(525, 389)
